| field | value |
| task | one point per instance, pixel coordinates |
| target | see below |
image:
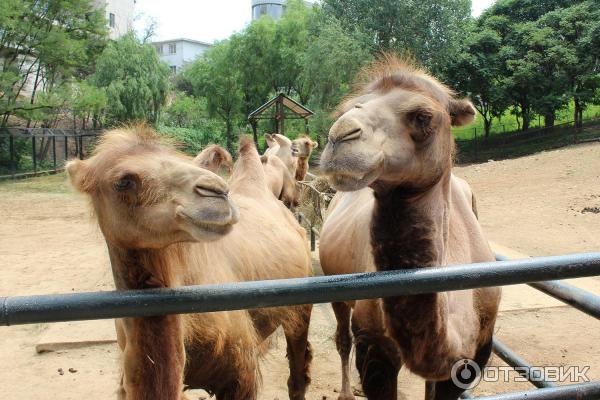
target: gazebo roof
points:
(290, 104)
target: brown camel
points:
(214, 157)
(161, 216)
(391, 150)
(302, 148)
(279, 180)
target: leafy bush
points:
(192, 140)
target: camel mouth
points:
(295, 152)
(351, 182)
(212, 226)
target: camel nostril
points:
(210, 191)
(350, 135)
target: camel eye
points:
(126, 183)
(422, 119)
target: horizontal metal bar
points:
(581, 391)
(520, 365)
(578, 298)
(272, 293)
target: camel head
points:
(395, 130)
(146, 195)
(302, 146)
(270, 140)
(213, 157)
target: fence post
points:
(66, 148)
(11, 146)
(476, 144)
(312, 239)
(34, 156)
(80, 147)
(54, 152)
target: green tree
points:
(577, 28)
(43, 45)
(327, 79)
(216, 77)
(475, 71)
(430, 29)
(134, 78)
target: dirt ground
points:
(543, 204)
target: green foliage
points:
(88, 101)
(185, 111)
(532, 57)
(44, 45)
(429, 29)
(216, 78)
(193, 140)
(134, 79)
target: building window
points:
(111, 20)
(173, 69)
(172, 48)
(159, 49)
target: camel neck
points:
(409, 231)
(410, 227)
(145, 268)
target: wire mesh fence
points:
(510, 145)
(28, 152)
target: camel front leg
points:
(299, 353)
(153, 359)
(343, 342)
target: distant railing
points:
(26, 152)
(515, 144)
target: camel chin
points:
(206, 225)
(351, 183)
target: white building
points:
(272, 8)
(119, 15)
(179, 52)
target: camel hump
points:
(248, 173)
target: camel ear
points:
(77, 171)
(461, 112)
(315, 145)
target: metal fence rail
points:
(27, 152)
(258, 294)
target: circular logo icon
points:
(465, 374)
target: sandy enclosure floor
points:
(539, 205)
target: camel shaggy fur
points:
(168, 223)
(400, 207)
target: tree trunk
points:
(487, 127)
(228, 135)
(549, 119)
(576, 113)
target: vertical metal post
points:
(33, 155)
(11, 144)
(81, 147)
(54, 152)
(476, 145)
(66, 148)
(312, 239)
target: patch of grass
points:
(508, 122)
(496, 150)
(57, 183)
